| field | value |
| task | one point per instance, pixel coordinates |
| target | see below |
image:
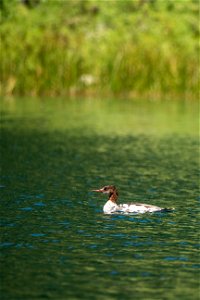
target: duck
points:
(112, 206)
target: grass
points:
(137, 48)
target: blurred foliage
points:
(138, 48)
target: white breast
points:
(110, 207)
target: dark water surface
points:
(55, 241)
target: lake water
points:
(56, 243)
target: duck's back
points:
(139, 208)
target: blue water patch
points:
(143, 221)
(119, 235)
(39, 204)
(134, 236)
(109, 254)
(24, 245)
(114, 272)
(146, 274)
(183, 243)
(64, 223)
(137, 244)
(100, 235)
(70, 247)
(152, 190)
(45, 241)
(6, 244)
(8, 224)
(37, 234)
(138, 256)
(55, 241)
(26, 208)
(172, 258)
(39, 196)
(81, 231)
(196, 266)
(24, 196)
(172, 222)
(98, 210)
(92, 246)
(119, 217)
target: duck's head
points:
(110, 190)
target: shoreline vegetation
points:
(141, 49)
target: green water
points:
(56, 243)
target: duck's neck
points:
(113, 196)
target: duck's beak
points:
(99, 191)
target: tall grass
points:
(69, 47)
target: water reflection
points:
(56, 243)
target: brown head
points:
(110, 190)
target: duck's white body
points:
(110, 207)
